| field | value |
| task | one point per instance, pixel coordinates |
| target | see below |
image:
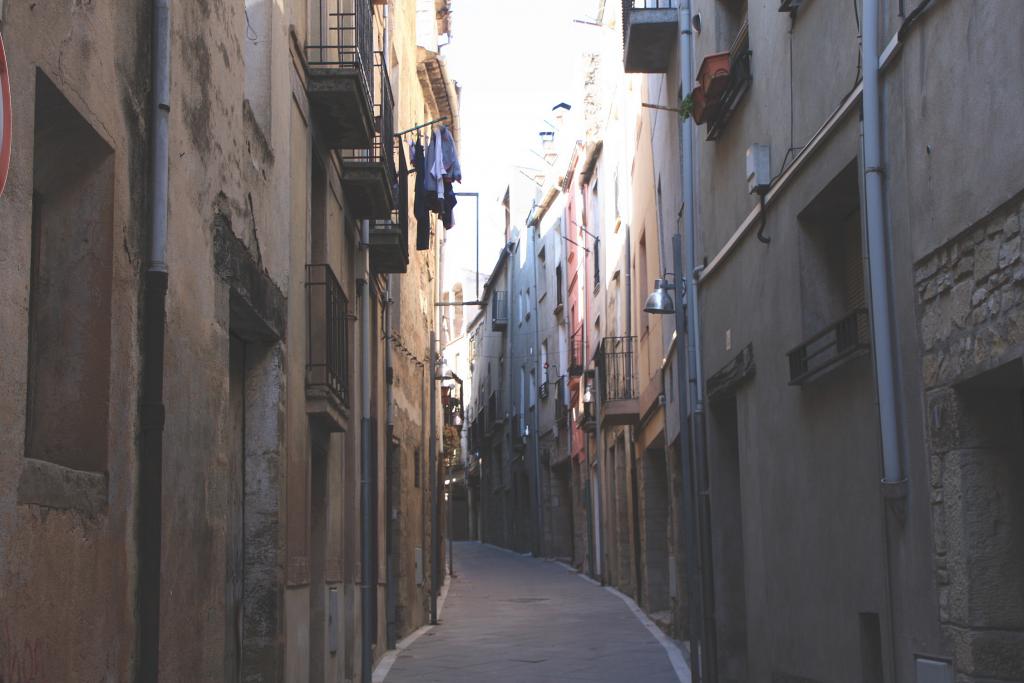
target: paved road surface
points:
(514, 618)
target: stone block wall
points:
(970, 296)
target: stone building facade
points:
(272, 286)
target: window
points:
(732, 23)
(258, 20)
(834, 313)
(533, 387)
(646, 286)
(559, 297)
(416, 468)
(70, 297)
(544, 359)
(832, 265)
(522, 390)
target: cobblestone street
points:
(509, 617)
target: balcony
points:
(577, 353)
(620, 404)
(649, 30)
(723, 79)
(339, 55)
(327, 377)
(368, 176)
(389, 243)
(837, 344)
(499, 310)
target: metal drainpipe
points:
(366, 463)
(882, 329)
(689, 505)
(151, 418)
(537, 487)
(432, 465)
(696, 369)
(390, 421)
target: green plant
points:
(686, 107)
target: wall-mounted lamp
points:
(660, 300)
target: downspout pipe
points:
(435, 552)
(537, 485)
(695, 366)
(688, 493)
(366, 497)
(882, 327)
(150, 527)
(389, 433)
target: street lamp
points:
(660, 301)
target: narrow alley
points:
(691, 330)
(510, 617)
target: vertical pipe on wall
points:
(882, 328)
(367, 513)
(150, 528)
(694, 585)
(435, 548)
(537, 486)
(696, 370)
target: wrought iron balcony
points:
(841, 341)
(339, 57)
(577, 352)
(327, 376)
(649, 30)
(368, 175)
(499, 310)
(618, 381)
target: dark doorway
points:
(318, 556)
(727, 543)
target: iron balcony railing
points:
(843, 339)
(339, 38)
(577, 352)
(629, 6)
(327, 332)
(499, 309)
(740, 77)
(382, 146)
(618, 378)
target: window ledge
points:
(50, 485)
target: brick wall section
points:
(971, 320)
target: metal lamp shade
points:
(660, 301)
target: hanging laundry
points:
(442, 164)
(419, 205)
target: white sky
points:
(514, 61)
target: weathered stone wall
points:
(67, 548)
(971, 307)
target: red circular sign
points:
(6, 130)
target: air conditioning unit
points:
(790, 5)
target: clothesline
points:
(422, 125)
